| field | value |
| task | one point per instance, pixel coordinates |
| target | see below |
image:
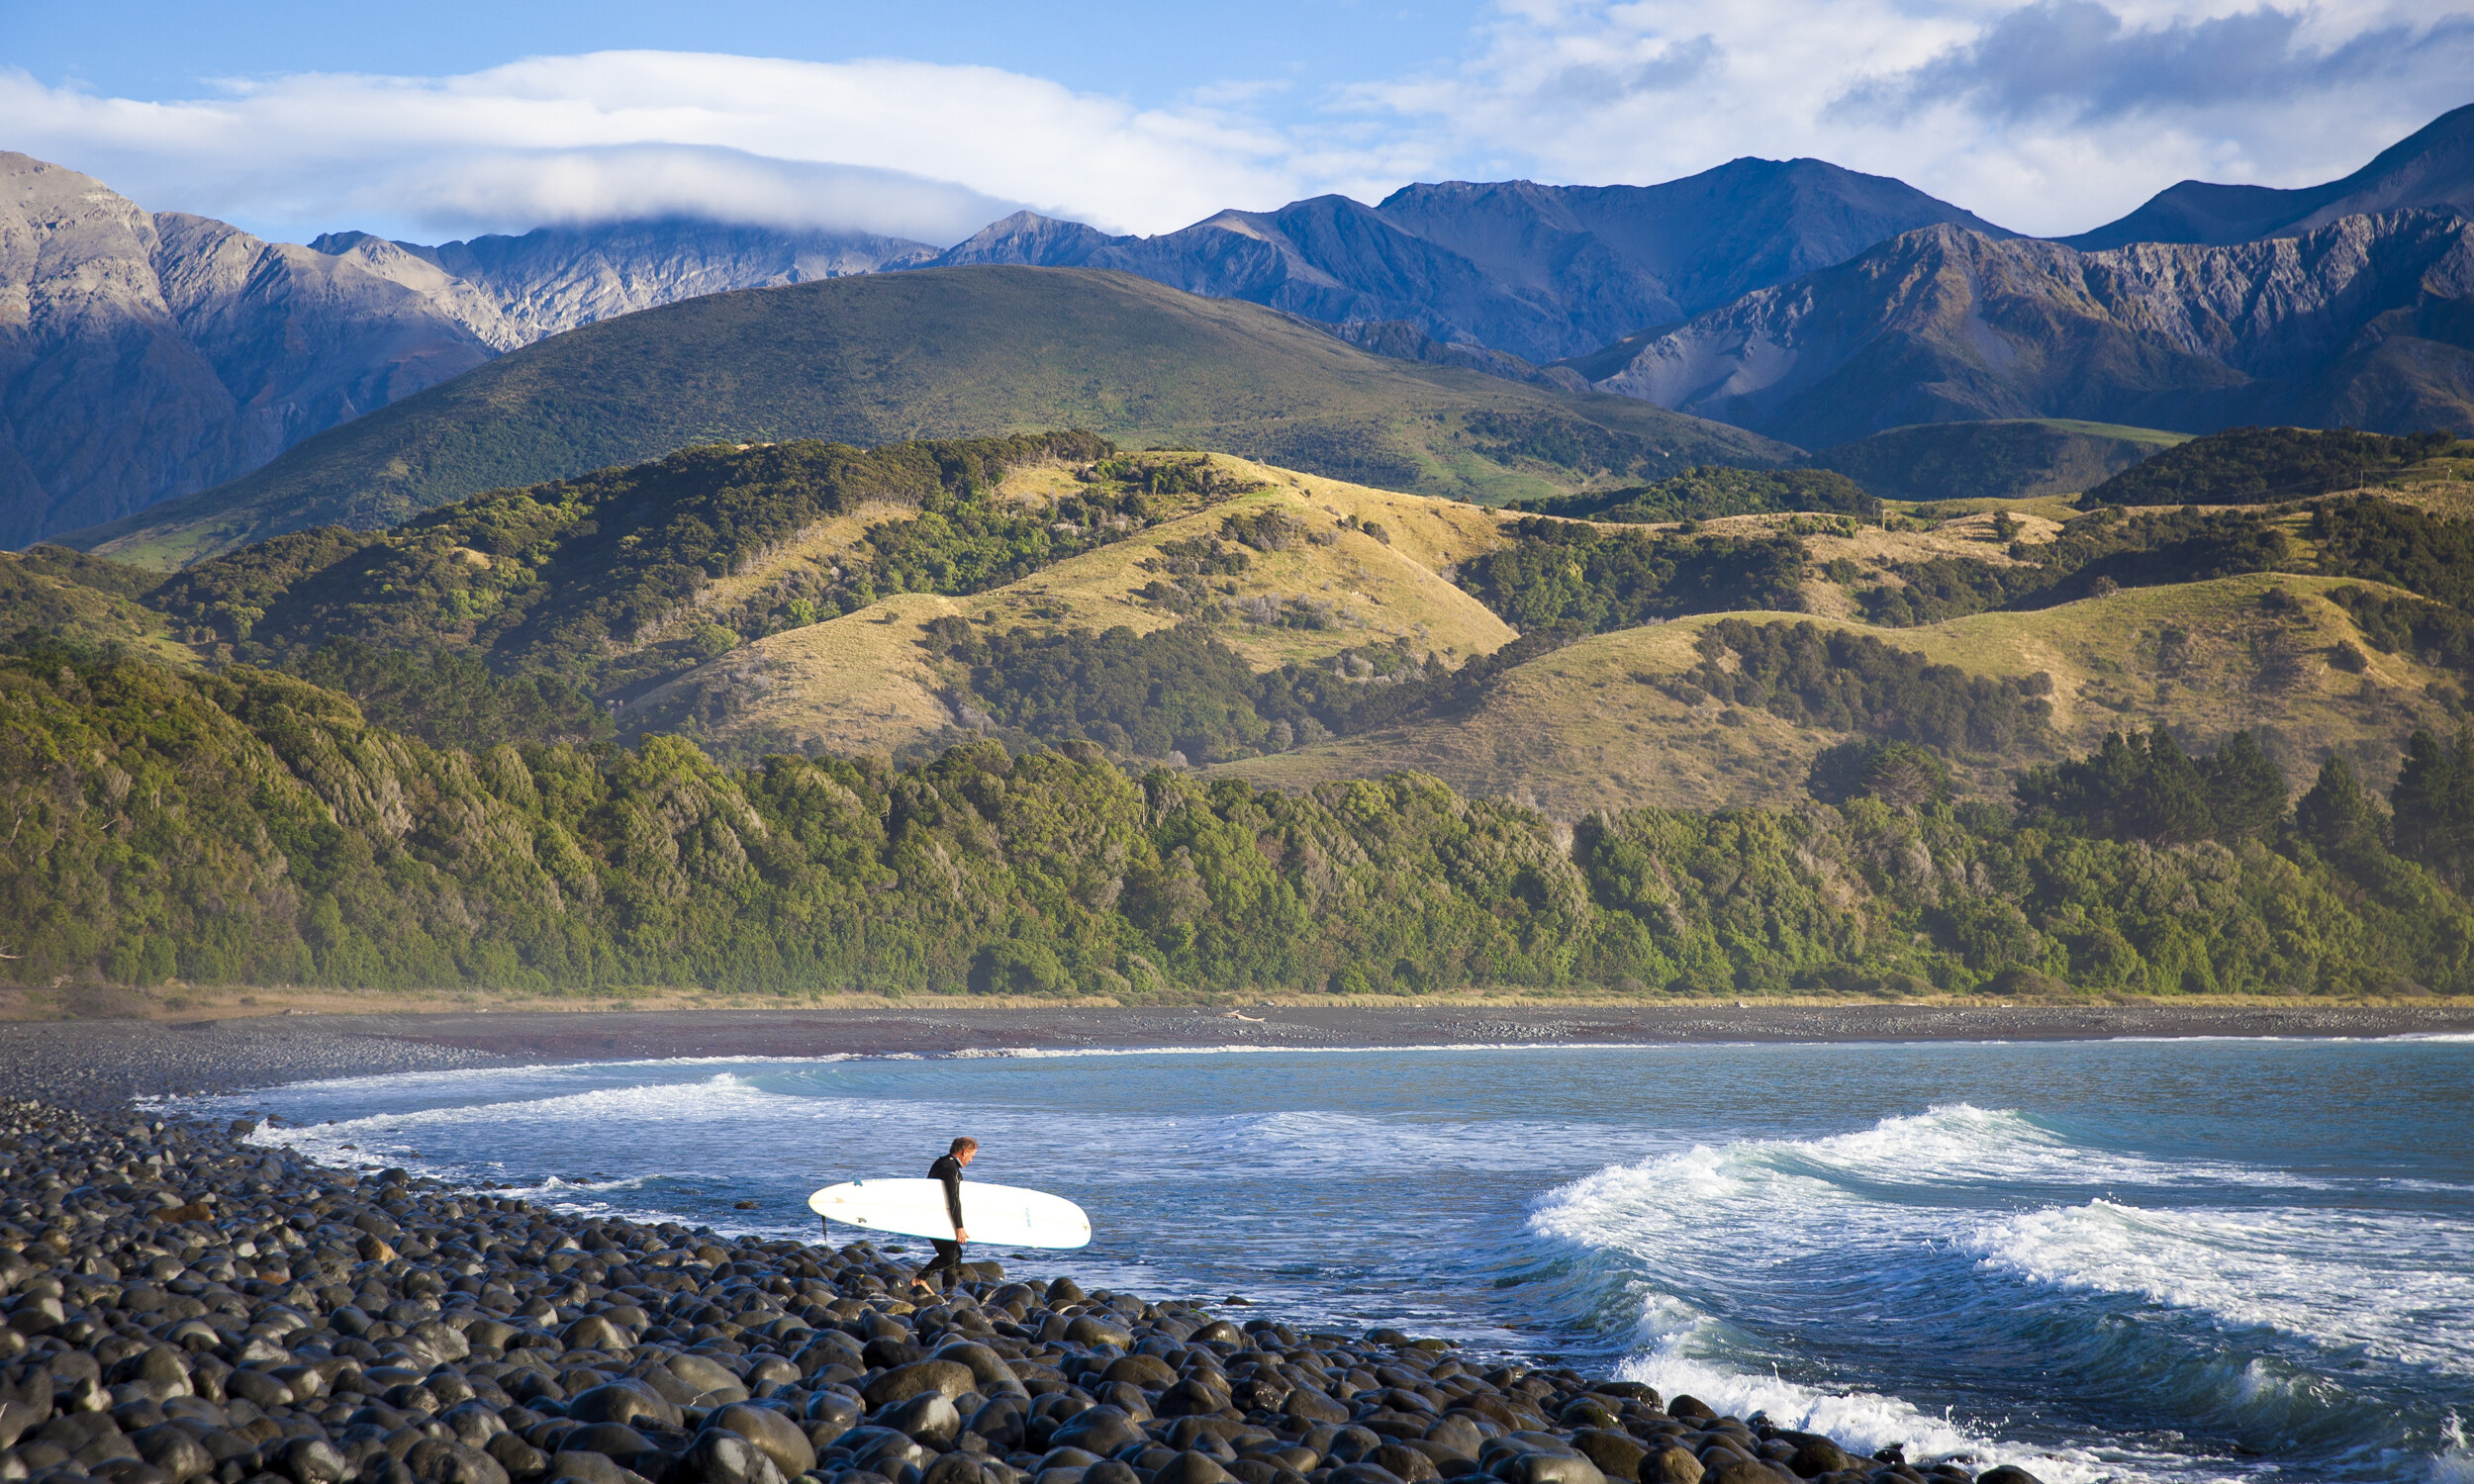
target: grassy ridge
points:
(942, 353)
(1600, 724)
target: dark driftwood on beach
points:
(183, 1307)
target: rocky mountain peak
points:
(2432, 169)
(2359, 320)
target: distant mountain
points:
(556, 278)
(2432, 169)
(1541, 272)
(162, 354)
(150, 354)
(965, 351)
(2367, 321)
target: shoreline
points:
(86, 1061)
(348, 1331)
(188, 1307)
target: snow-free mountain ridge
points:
(145, 355)
(2432, 169)
(1537, 272)
(2368, 321)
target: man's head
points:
(964, 1150)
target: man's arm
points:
(951, 1173)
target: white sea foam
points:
(1861, 1420)
(1889, 1208)
(2373, 1281)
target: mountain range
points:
(1540, 272)
(2368, 321)
(149, 355)
(882, 357)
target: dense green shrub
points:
(2258, 465)
(1710, 492)
(1855, 683)
(2135, 788)
(1182, 690)
(1896, 772)
(1569, 578)
(2380, 540)
(453, 699)
(2092, 554)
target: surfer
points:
(948, 1170)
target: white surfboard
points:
(1003, 1215)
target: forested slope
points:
(246, 827)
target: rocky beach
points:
(184, 1302)
(184, 1305)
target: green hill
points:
(2001, 459)
(956, 353)
(2261, 465)
(1035, 715)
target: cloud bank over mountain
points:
(2047, 117)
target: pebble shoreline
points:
(184, 1307)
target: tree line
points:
(244, 826)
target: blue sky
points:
(1149, 51)
(457, 117)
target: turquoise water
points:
(2173, 1261)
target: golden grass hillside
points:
(1588, 727)
(863, 682)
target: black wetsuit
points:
(948, 1251)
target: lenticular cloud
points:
(905, 148)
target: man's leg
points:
(948, 1262)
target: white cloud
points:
(2050, 117)
(908, 147)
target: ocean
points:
(2194, 1259)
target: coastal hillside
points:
(245, 827)
(1628, 718)
(1038, 714)
(947, 352)
(1207, 610)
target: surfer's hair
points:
(963, 1143)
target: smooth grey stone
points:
(781, 1437)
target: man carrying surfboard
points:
(947, 1171)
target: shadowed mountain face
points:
(1541, 272)
(145, 354)
(2366, 322)
(2432, 169)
